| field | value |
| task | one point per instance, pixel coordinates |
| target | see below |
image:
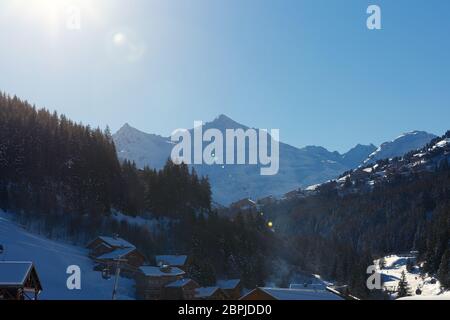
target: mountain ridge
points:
(299, 167)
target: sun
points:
(40, 11)
(50, 13)
(119, 39)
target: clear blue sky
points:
(310, 68)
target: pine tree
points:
(444, 270)
(403, 289)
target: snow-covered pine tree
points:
(403, 289)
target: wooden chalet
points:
(232, 288)
(131, 259)
(151, 281)
(291, 294)
(103, 244)
(106, 251)
(178, 261)
(183, 289)
(19, 281)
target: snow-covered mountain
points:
(143, 148)
(430, 157)
(298, 167)
(400, 146)
(358, 154)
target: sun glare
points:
(50, 13)
(119, 39)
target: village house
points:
(291, 294)
(183, 289)
(310, 286)
(107, 251)
(103, 244)
(244, 205)
(210, 293)
(232, 288)
(130, 260)
(19, 281)
(178, 261)
(151, 281)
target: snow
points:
(313, 286)
(179, 283)
(156, 271)
(13, 272)
(443, 143)
(443, 296)
(116, 254)
(116, 242)
(298, 168)
(297, 294)
(205, 292)
(51, 260)
(313, 187)
(392, 273)
(420, 155)
(343, 179)
(228, 284)
(400, 146)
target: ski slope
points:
(51, 259)
(392, 273)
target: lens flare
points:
(51, 14)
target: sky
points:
(310, 68)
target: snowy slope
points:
(355, 156)
(143, 148)
(392, 272)
(406, 142)
(52, 259)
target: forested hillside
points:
(51, 165)
(394, 206)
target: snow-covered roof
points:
(179, 283)
(157, 272)
(14, 273)
(228, 284)
(116, 242)
(205, 292)
(171, 260)
(116, 254)
(299, 294)
(312, 286)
